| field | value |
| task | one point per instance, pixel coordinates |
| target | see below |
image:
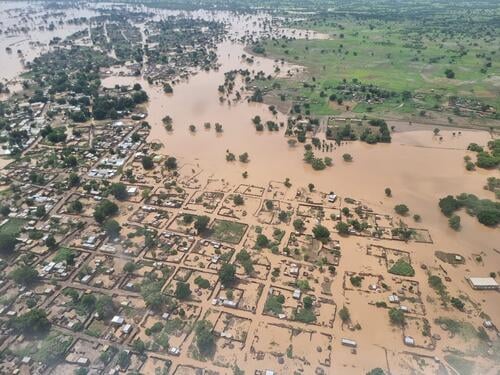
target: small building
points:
(297, 293)
(410, 341)
(26, 360)
(393, 298)
(174, 351)
(230, 303)
(483, 283)
(488, 324)
(118, 320)
(349, 342)
(83, 361)
(127, 328)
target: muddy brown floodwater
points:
(418, 166)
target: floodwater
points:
(20, 22)
(418, 166)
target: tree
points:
(454, 222)
(243, 157)
(182, 290)
(123, 359)
(112, 228)
(376, 371)
(73, 180)
(388, 192)
(201, 223)
(449, 73)
(401, 209)
(105, 209)
(119, 191)
(298, 225)
(457, 303)
(7, 243)
(204, 338)
(40, 211)
(171, 163)
(147, 162)
(238, 200)
(167, 88)
(227, 274)
(321, 233)
(347, 157)
(342, 228)
(261, 241)
(318, 164)
(245, 260)
(129, 267)
(88, 302)
(269, 205)
(489, 216)
(449, 205)
(396, 316)
(51, 242)
(105, 307)
(5, 211)
(308, 302)
(76, 206)
(32, 322)
(139, 346)
(344, 314)
(24, 275)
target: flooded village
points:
(179, 195)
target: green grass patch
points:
(12, 226)
(402, 268)
(462, 365)
(227, 231)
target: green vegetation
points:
(182, 290)
(24, 275)
(402, 268)
(104, 210)
(274, 304)
(436, 283)
(462, 365)
(321, 233)
(454, 222)
(356, 281)
(487, 159)
(227, 274)
(227, 231)
(204, 338)
(33, 322)
(401, 209)
(344, 315)
(486, 211)
(244, 258)
(382, 59)
(396, 316)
